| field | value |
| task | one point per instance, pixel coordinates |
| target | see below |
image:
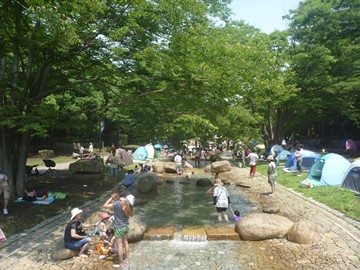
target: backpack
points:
(126, 208)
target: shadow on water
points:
(183, 203)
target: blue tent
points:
(140, 153)
(309, 158)
(158, 146)
(274, 149)
(329, 170)
(283, 155)
(351, 178)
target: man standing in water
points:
(178, 163)
(197, 157)
(221, 200)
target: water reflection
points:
(182, 203)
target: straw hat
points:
(75, 212)
(270, 157)
(218, 182)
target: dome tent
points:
(351, 178)
(150, 151)
(140, 153)
(329, 170)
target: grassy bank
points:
(342, 200)
(39, 161)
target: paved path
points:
(338, 249)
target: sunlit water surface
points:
(182, 203)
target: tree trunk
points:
(21, 163)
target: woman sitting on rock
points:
(73, 237)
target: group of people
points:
(181, 164)
(271, 171)
(115, 238)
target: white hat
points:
(130, 199)
(75, 212)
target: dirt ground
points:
(78, 187)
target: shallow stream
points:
(182, 203)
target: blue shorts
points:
(77, 244)
(113, 171)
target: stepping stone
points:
(193, 233)
(221, 233)
(160, 233)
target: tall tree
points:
(62, 61)
(326, 52)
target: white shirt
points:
(222, 196)
(252, 158)
(178, 159)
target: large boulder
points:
(261, 226)
(91, 165)
(304, 232)
(233, 174)
(46, 153)
(158, 167)
(137, 230)
(269, 204)
(60, 252)
(207, 169)
(146, 182)
(220, 166)
(169, 167)
(203, 182)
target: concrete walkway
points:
(338, 249)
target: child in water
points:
(236, 214)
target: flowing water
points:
(181, 203)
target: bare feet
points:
(83, 256)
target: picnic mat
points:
(47, 201)
(57, 195)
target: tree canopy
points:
(167, 70)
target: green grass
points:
(58, 159)
(342, 200)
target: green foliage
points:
(325, 58)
